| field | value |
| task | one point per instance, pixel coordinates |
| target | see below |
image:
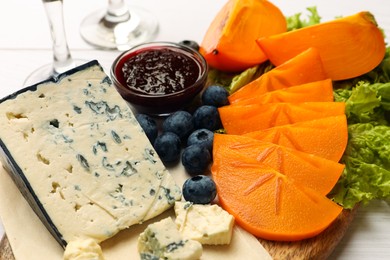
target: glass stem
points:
(117, 12)
(62, 58)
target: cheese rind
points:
(162, 240)
(78, 154)
(208, 224)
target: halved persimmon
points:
(230, 41)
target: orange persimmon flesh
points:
(238, 119)
(303, 68)
(349, 46)
(317, 91)
(267, 203)
(230, 41)
(307, 169)
(326, 137)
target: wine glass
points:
(62, 58)
(118, 26)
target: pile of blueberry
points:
(189, 138)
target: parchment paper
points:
(29, 238)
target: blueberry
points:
(149, 126)
(192, 44)
(196, 159)
(207, 117)
(180, 123)
(215, 96)
(199, 189)
(168, 147)
(203, 137)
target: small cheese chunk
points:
(83, 249)
(162, 240)
(208, 224)
(78, 154)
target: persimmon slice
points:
(267, 203)
(316, 91)
(303, 68)
(349, 46)
(326, 137)
(238, 119)
(309, 170)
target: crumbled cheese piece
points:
(83, 249)
(162, 240)
(208, 224)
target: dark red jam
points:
(158, 71)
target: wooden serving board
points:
(319, 247)
(5, 249)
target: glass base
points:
(141, 27)
(46, 72)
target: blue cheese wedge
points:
(77, 153)
(208, 224)
(162, 240)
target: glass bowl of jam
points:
(158, 78)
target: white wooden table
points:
(25, 44)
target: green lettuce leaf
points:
(233, 82)
(384, 93)
(362, 103)
(216, 77)
(367, 157)
(367, 162)
(296, 22)
(248, 76)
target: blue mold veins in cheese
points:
(77, 153)
(162, 240)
